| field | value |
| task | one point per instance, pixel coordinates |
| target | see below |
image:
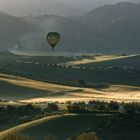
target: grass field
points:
(107, 78)
(70, 125)
(17, 88)
(65, 75)
(130, 61)
(97, 59)
(61, 126)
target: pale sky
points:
(59, 7)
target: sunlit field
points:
(36, 80)
(55, 92)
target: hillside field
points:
(38, 79)
(70, 125)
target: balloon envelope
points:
(53, 38)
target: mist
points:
(52, 7)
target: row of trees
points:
(20, 113)
(104, 107)
(25, 113)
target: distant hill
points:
(118, 25)
(11, 28)
(124, 62)
(108, 14)
(107, 29)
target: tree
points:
(131, 107)
(113, 106)
(102, 107)
(52, 107)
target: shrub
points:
(113, 106)
(131, 107)
(87, 136)
(52, 107)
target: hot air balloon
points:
(53, 38)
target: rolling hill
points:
(31, 78)
(130, 62)
(11, 29)
(40, 70)
(107, 29)
(27, 90)
(70, 125)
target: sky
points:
(48, 7)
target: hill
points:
(37, 68)
(70, 126)
(37, 78)
(130, 62)
(106, 126)
(107, 29)
(11, 28)
(27, 90)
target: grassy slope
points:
(69, 75)
(26, 125)
(18, 88)
(14, 87)
(61, 126)
(105, 83)
(64, 75)
(70, 125)
(116, 61)
(97, 59)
